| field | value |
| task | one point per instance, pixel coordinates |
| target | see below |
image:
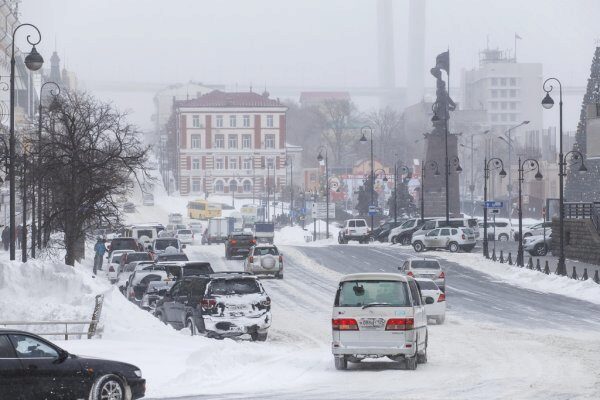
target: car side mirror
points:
(429, 300)
(62, 355)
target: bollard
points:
(501, 257)
(546, 268)
(574, 274)
(494, 255)
(596, 277)
(510, 259)
(585, 276)
(530, 263)
(537, 265)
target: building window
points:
(247, 163)
(219, 187)
(232, 121)
(269, 121)
(196, 185)
(504, 105)
(233, 141)
(513, 81)
(494, 105)
(196, 121)
(270, 163)
(196, 140)
(513, 93)
(233, 163)
(219, 163)
(513, 105)
(494, 93)
(494, 117)
(233, 185)
(494, 81)
(246, 141)
(195, 163)
(504, 117)
(219, 121)
(502, 81)
(513, 117)
(246, 121)
(269, 141)
(247, 186)
(503, 93)
(219, 141)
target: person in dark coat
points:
(6, 238)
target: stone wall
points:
(582, 241)
(435, 186)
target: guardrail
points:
(578, 210)
(66, 324)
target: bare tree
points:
(89, 155)
(388, 125)
(304, 128)
(340, 116)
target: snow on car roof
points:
(374, 276)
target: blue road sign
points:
(494, 204)
(372, 211)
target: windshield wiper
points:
(375, 305)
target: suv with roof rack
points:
(225, 304)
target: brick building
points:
(230, 141)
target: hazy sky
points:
(299, 43)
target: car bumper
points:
(375, 343)
(231, 327)
(436, 309)
(258, 270)
(137, 387)
(239, 252)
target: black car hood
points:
(101, 364)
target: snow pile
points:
(528, 279)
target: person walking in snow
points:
(100, 249)
(6, 238)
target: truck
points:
(218, 230)
(264, 232)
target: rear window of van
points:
(375, 293)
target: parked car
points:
(499, 230)
(453, 239)
(452, 223)
(264, 259)
(382, 232)
(139, 280)
(130, 257)
(379, 315)
(191, 268)
(172, 257)
(185, 236)
(424, 268)
(436, 310)
(537, 245)
(154, 292)
(175, 218)
(133, 266)
(238, 244)
(34, 368)
(403, 233)
(160, 246)
(536, 230)
(114, 264)
(124, 243)
(220, 305)
(354, 229)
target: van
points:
(379, 315)
(454, 223)
(144, 233)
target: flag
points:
(442, 61)
(517, 36)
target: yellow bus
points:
(202, 209)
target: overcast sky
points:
(299, 43)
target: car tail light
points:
(410, 273)
(442, 275)
(208, 304)
(111, 269)
(399, 324)
(233, 241)
(266, 302)
(463, 237)
(344, 324)
(442, 297)
(280, 258)
(253, 241)
(251, 259)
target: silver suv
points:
(354, 229)
(453, 239)
(425, 268)
(264, 259)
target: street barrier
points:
(530, 263)
(537, 265)
(494, 255)
(596, 277)
(510, 262)
(501, 257)
(585, 276)
(574, 274)
(546, 268)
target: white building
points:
(231, 142)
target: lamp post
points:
(36, 231)
(320, 158)
(290, 161)
(533, 166)
(405, 170)
(33, 62)
(547, 103)
(472, 183)
(508, 135)
(498, 164)
(433, 165)
(364, 139)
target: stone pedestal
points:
(435, 186)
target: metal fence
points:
(584, 211)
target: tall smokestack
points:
(415, 82)
(385, 48)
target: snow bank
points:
(528, 279)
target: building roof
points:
(217, 98)
(319, 97)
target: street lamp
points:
(405, 171)
(472, 183)
(289, 161)
(508, 135)
(363, 139)
(33, 62)
(36, 231)
(498, 164)
(533, 166)
(432, 165)
(548, 103)
(320, 158)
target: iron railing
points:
(66, 324)
(578, 210)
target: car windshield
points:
(123, 244)
(184, 232)
(242, 237)
(468, 231)
(116, 258)
(138, 257)
(197, 269)
(263, 251)
(407, 224)
(362, 293)
(144, 232)
(424, 264)
(173, 257)
(427, 285)
(234, 286)
(163, 244)
(360, 223)
(148, 277)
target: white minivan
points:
(454, 223)
(379, 315)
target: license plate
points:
(236, 307)
(372, 322)
(235, 329)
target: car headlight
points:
(138, 373)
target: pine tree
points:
(405, 202)
(364, 197)
(584, 187)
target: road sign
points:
(319, 210)
(494, 204)
(372, 211)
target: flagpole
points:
(446, 118)
(515, 47)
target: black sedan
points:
(34, 368)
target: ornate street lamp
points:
(363, 139)
(497, 164)
(320, 158)
(533, 166)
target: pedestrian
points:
(100, 249)
(18, 236)
(6, 237)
